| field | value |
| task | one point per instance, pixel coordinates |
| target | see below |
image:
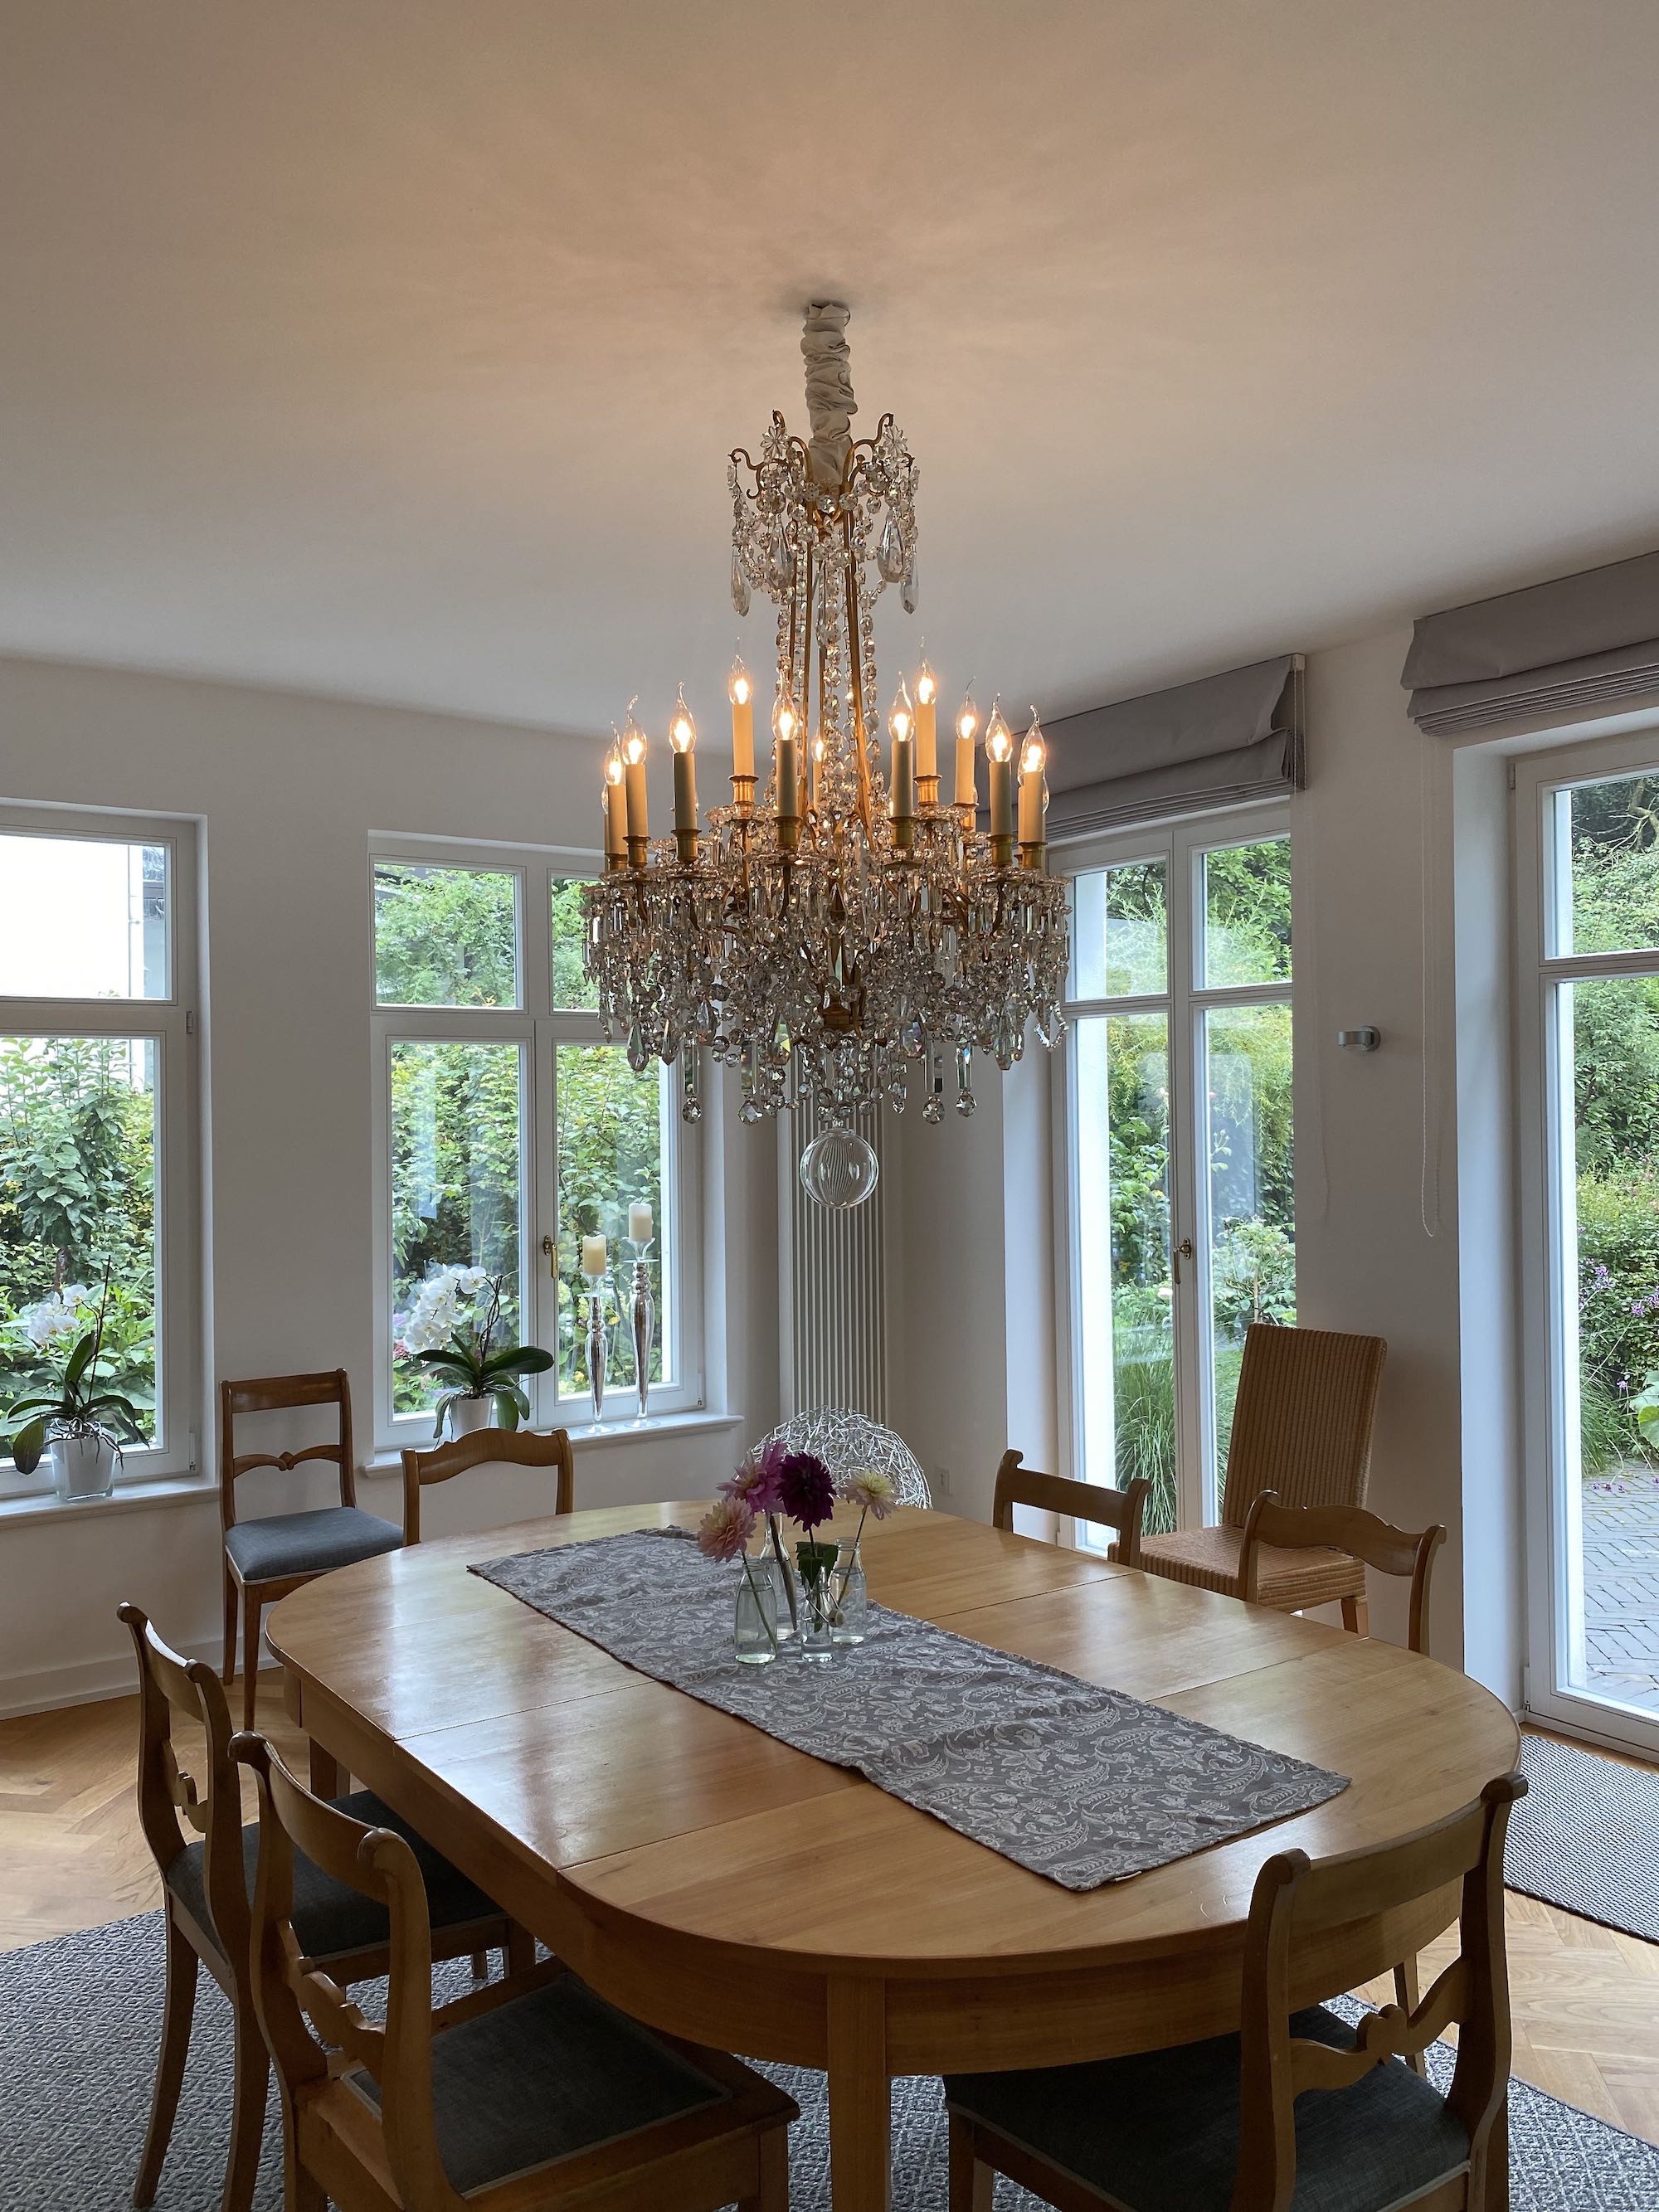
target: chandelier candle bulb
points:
(1033, 791)
(639, 827)
(927, 733)
(740, 690)
(999, 759)
(967, 792)
(615, 811)
(682, 738)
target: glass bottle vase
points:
(755, 1624)
(851, 1621)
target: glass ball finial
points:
(839, 1169)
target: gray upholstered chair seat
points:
(545, 2076)
(1159, 2133)
(328, 1918)
(287, 1543)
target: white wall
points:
(286, 790)
(1378, 1236)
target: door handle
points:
(1183, 1251)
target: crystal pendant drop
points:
(839, 1169)
(740, 586)
(890, 549)
(907, 593)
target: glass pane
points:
(1607, 854)
(1247, 1090)
(445, 936)
(1121, 931)
(82, 918)
(456, 1147)
(611, 1127)
(571, 988)
(1126, 1341)
(77, 1201)
(1609, 1181)
(1247, 914)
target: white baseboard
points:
(47, 1688)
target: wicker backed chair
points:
(846, 1441)
(1301, 1427)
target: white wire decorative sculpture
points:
(846, 1441)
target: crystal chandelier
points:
(841, 935)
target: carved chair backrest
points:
(273, 1393)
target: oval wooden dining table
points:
(721, 1886)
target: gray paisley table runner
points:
(1082, 1784)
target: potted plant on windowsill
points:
(451, 1330)
(80, 1426)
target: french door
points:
(1587, 911)
(1180, 1219)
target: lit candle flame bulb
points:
(682, 730)
(784, 720)
(927, 685)
(1034, 752)
(999, 738)
(740, 685)
(967, 721)
(901, 717)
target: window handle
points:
(552, 1252)
(1183, 1251)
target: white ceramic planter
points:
(82, 1467)
(466, 1414)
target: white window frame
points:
(170, 1023)
(539, 1028)
(1549, 1321)
(1184, 1006)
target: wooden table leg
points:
(326, 1780)
(1496, 2197)
(860, 2098)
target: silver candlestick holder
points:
(643, 1316)
(597, 1287)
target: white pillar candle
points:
(639, 1222)
(593, 1256)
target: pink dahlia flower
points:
(725, 1528)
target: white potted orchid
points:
(80, 1427)
(451, 1329)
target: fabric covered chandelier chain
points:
(837, 934)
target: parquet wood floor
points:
(1585, 1999)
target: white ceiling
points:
(394, 348)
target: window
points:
(1181, 1228)
(97, 1128)
(509, 1129)
(1588, 961)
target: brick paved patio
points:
(1621, 1586)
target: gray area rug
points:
(79, 2018)
(1586, 1837)
(1082, 1784)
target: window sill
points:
(128, 1497)
(587, 1438)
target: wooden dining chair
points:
(1271, 1527)
(206, 1891)
(265, 1559)
(1302, 1426)
(1272, 1530)
(518, 1447)
(1120, 1510)
(529, 2094)
(1298, 2106)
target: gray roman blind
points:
(1216, 742)
(1577, 643)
